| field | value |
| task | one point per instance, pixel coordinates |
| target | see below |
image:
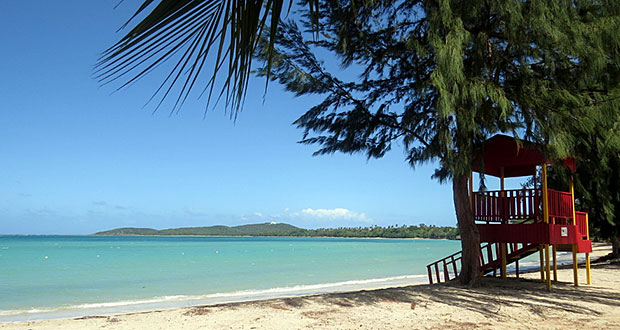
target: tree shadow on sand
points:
(488, 299)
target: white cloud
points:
(312, 217)
(194, 213)
(337, 213)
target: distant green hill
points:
(268, 229)
(283, 229)
(129, 231)
(261, 229)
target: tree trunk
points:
(470, 237)
(615, 246)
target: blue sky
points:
(77, 158)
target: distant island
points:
(283, 229)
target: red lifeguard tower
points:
(516, 223)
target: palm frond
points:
(188, 32)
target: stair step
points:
(448, 267)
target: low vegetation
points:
(283, 229)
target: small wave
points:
(314, 287)
(128, 302)
(11, 312)
(189, 300)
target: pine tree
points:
(440, 77)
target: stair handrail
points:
(450, 271)
(446, 262)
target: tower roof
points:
(517, 157)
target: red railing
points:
(581, 219)
(560, 204)
(520, 204)
(504, 205)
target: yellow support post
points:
(540, 250)
(542, 263)
(575, 266)
(555, 257)
(548, 267)
(588, 274)
(555, 264)
(546, 219)
(572, 194)
(544, 191)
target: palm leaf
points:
(187, 32)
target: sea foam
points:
(177, 301)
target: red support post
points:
(516, 267)
(456, 273)
(430, 274)
(490, 255)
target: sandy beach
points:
(498, 304)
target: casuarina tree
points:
(597, 180)
(435, 77)
(597, 188)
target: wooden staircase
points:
(448, 268)
(514, 252)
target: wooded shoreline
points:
(271, 229)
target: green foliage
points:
(282, 229)
(437, 76)
(597, 190)
(597, 180)
(440, 77)
(187, 32)
(597, 184)
(422, 231)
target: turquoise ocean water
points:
(65, 276)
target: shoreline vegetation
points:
(497, 304)
(272, 229)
